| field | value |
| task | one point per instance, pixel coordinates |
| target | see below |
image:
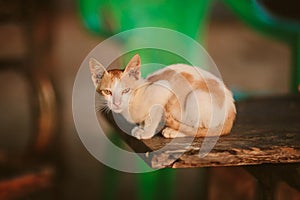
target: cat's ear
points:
(133, 67)
(97, 70)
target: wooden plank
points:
(267, 130)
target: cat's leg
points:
(192, 118)
(148, 128)
(200, 112)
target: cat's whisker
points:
(103, 108)
(106, 110)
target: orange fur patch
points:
(188, 77)
(216, 91)
(211, 86)
(108, 79)
(229, 122)
(115, 73)
(196, 84)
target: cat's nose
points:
(117, 103)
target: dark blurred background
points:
(247, 61)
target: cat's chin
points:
(117, 110)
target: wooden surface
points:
(267, 130)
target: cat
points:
(190, 100)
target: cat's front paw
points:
(140, 133)
(137, 132)
(171, 133)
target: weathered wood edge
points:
(229, 151)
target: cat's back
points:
(189, 72)
(184, 78)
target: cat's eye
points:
(126, 91)
(106, 92)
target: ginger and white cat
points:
(190, 100)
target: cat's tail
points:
(187, 130)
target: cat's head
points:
(116, 86)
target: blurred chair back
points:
(109, 17)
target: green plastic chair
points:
(109, 17)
